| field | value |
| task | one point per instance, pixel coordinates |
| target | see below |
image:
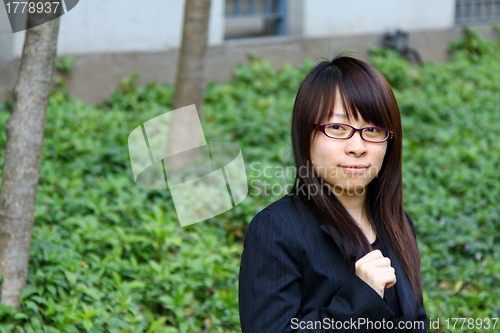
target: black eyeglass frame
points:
(321, 128)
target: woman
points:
(338, 252)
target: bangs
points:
(362, 93)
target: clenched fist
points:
(376, 271)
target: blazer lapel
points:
(403, 287)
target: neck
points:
(354, 204)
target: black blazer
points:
(293, 278)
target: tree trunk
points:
(189, 85)
(24, 130)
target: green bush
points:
(108, 256)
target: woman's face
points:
(346, 166)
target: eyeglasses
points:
(343, 132)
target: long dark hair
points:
(364, 92)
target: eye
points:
(337, 127)
(375, 133)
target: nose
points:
(356, 145)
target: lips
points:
(358, 166)
(354, 168)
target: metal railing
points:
(477, 11)
(272, 12)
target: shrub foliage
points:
(108, 256)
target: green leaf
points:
(31, 305)
(87, 324)
(20, 315)
(71, 277)
(157, 324)
(27, 292)
(39, 300)
(136, 285)
(92, 293)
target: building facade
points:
(113, 38)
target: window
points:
(477, 11)
(252, 18)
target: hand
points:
(376, 271)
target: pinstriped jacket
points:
(293, 278)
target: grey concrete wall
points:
(95, 76)
(322, 18)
